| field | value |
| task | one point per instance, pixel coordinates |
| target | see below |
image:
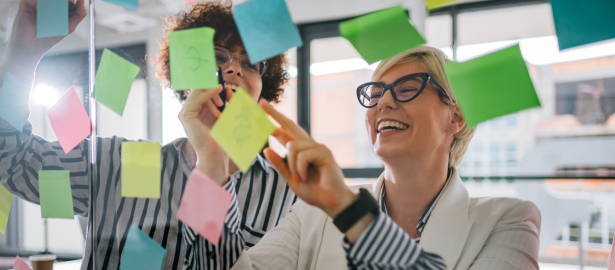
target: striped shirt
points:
(23, 155)
(384, 245)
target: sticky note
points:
(266, 28)
(193, 60)
(55, 194)
(69, 120)
(129, 4)
(51, 18)
(492, 85)
(204, 206)
(113, 81)
(14, 98)
(141, 251)
(242, 130)
(141, 169)
(435, 4)
(381, 34)
(579, 22)
(6, 200)
(19, 264)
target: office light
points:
(45, 95)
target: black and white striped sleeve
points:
(201, 252)
(384, 245)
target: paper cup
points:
(42, 262)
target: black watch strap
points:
(353, 213)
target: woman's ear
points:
(458, 122)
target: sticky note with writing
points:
(492, 85)
(381, 34)
(14, 97)
(69, 120)
(580, 22)
(204, 206)
(55, 194)
(51, 18)
(129, 4)
(6, 200)
(19, 264)
(242, 130)
(193, 61)
(266, 28)
(141, 169)
(141, 251)
(113, 81)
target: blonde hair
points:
(434, 60)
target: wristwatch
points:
(353, 213)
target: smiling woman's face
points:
(421, 126)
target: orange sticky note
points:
(204, 206)
(69, 120)
(20, 264)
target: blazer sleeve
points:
(513, 242)
(279, 248)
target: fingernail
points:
(219, 113)
(294, 178)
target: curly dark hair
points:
(219, 16)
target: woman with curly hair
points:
(260, 196)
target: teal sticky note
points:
(113, 81)
(193, 60)
(141, 251)
(129, 4)
(492, 85)
(14, 106)
(381, 34)
(51, 18)
(266, 28)
(580, 22)
(55, 194)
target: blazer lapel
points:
(448, 227)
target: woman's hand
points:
(311, 172)
(198, 115)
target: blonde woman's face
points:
(423, 125)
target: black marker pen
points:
(72, 9)
(223, 93)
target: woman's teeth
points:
(386, 126)
(233, 87)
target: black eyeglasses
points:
(403, 89)
(224, 58)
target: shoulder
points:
(504, 209)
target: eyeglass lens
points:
(223, 59)
(404, 90)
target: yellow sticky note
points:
(433, 4)
(6, 200)
(242, 130)
(141, 169)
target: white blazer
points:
(469, 233)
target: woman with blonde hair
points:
(416, 128)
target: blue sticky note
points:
(51, 18)
(580, 22)
(129, 4)
(266, 28)
(14, 102)
(141, 251)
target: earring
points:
(452, 129)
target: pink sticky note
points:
(204, 206)
(20, 264)
(69, 120)
(190, 1)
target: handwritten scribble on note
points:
(242, 130)
(192, 57)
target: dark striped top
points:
(23, 155)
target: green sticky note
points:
(242, 130)
(492, 85)
(193, 60)
(141, 169)
(435, 4)
(6, 200)
(381, 34)
(113, 81)
(55, 194)
(580, 22)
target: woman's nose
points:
(387, 101)
(234, 68)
